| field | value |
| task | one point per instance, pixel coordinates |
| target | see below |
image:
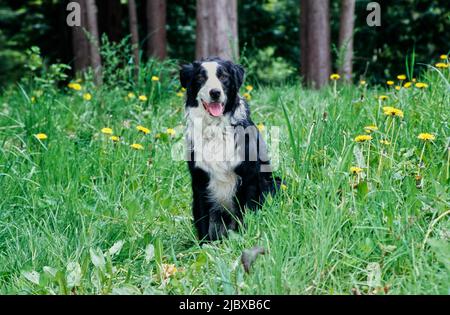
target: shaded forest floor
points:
(80, 213)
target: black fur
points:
(211, 220)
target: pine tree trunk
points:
(346, 28)
(156, 28)
(80, 43)
(304, 40)
(94, 43)
(217, 29)
(134, 34)
(110, 19)
(316, 42)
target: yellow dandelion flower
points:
(385, 142)
(401, 77)
(370, 128)
(143, 129)
(335, 76)
(362, 82)
(441, 65)
(392, 111)
(137, 146)
(355, 170)
(249, 88)
(143, 98)
(390, 82)
(180, 94)
(171, 131)
(41, 136)
(398, 87)
(407, 85)
(421, 85)
(168, 270)
(383, 97)
(74, 86)
(155, 78)
(414, 80)
(114, 138)
(247, 96)
(283, 186)
(363, 138)
(107, 131)
(426, 137)
(443, 57)
(260, 127)
(87, 96)
(131, 95)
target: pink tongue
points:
(215, 109)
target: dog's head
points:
(212, 83)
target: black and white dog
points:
(227, 157)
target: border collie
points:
(227, 157)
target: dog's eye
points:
(223, 77)
(200, 78)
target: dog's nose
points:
(214, 93)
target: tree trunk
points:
(80, 42)
(346, 28)
(156, 28)
(94, 43)
(304, 40)
(134, 34)
(217, 29)
(316, 42)
(110, 19)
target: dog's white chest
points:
(215, 152)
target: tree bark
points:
(80, 43)
(110, 19)
(217, 29)
(134, 34)
(316, 42)
(304, 40)
(346, 27)
(94, 44)
(156, 28)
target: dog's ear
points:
(186, 74)
(239, 73)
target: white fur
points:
(212, 82)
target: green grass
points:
(67, 200)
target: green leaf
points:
(362, 189)
(73, 276)
(126, 290)
(97, 258)
(32, 276)
(149, 253)
(115, 249)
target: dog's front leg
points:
(218, 222)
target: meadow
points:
(93, 203)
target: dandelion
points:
(180, 94)
(398, 87)
(143, 98)
(421, 85)
(283, 186)
(249, 88)
(131, 95)
(362, 82)
(114, 138)
(385, 142)
(443, 57)
(383, 97)
(41, 136)
(370, 128)
(355, 170)
(87, 96)
(260, 127)
(107, 131)
(247, 96)
(407, 85)
(335, 76)
(390, 82)
(363, 138)
(171, 131)
(74, 86)
(155, 78)
(441, 65)
(168, 270)
(137, 146)
(401, 77)
(392, 111)
(426, 137)
(143, 129)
